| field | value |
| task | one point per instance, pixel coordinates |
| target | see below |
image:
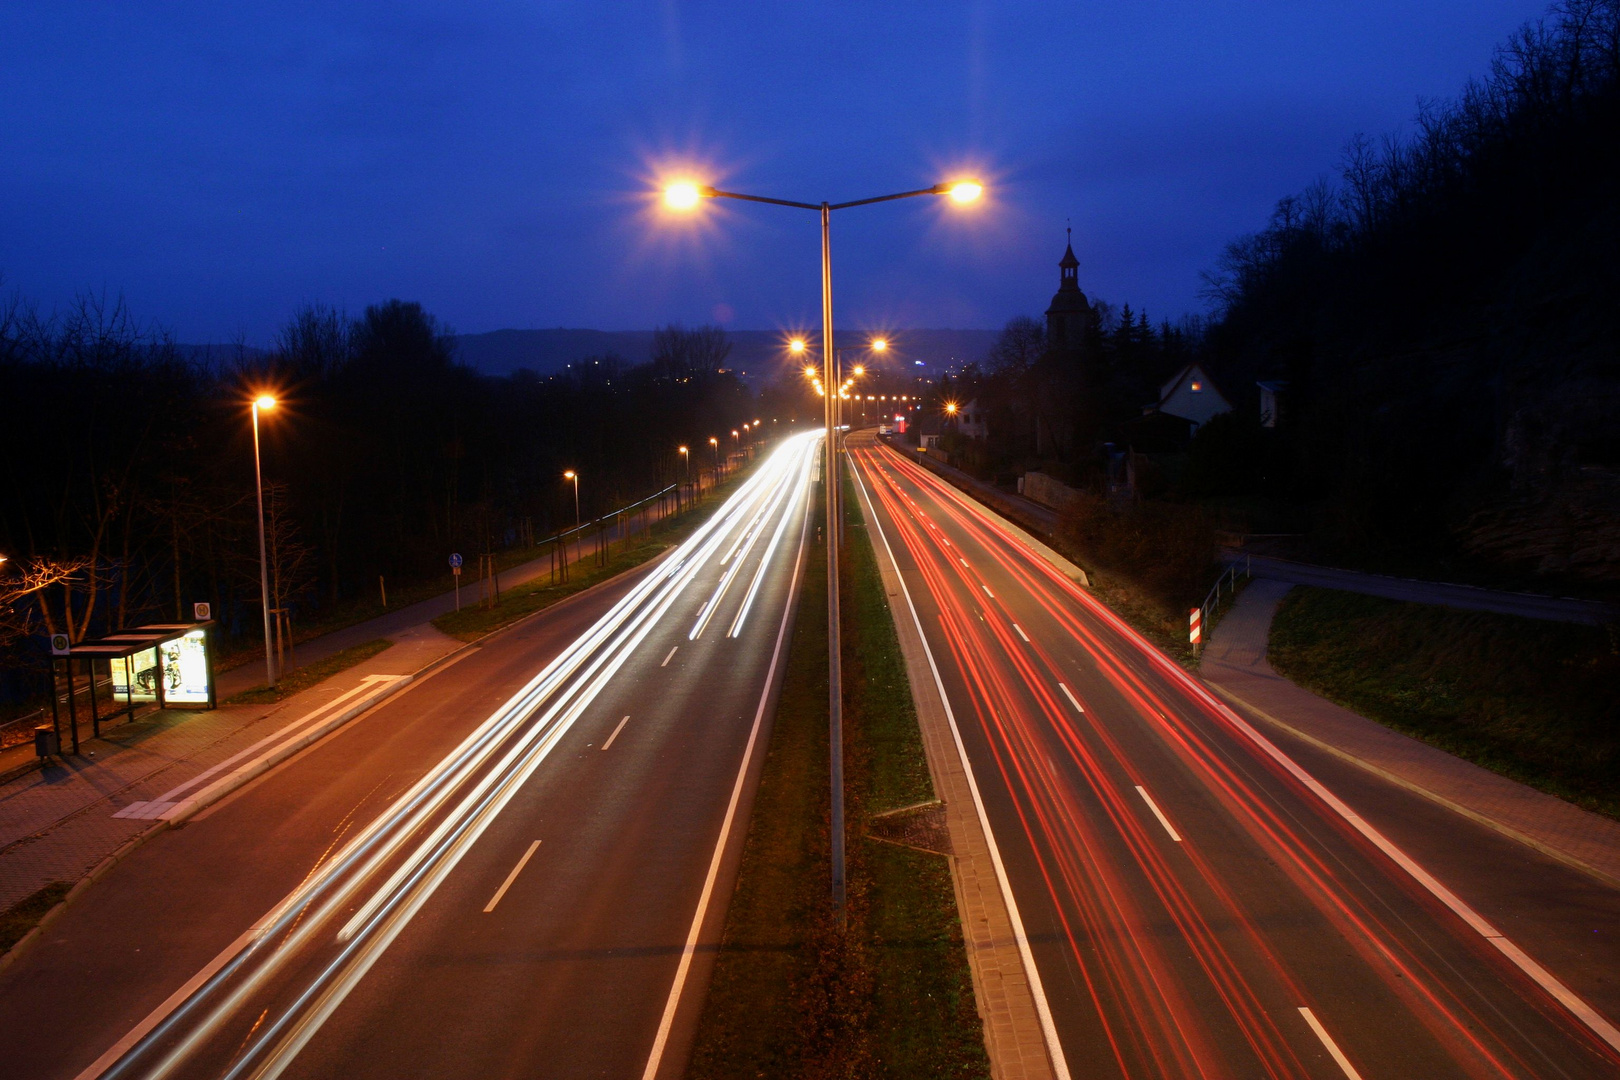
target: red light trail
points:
(1193, 959)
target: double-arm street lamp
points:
(687, 195)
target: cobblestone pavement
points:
(1235, 663)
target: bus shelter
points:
(165, 665)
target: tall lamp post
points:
(687, 195)
(574, 476)
(263, 402)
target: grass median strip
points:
(300, 679)
(890, 996)
(1535, 701)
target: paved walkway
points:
(1235, 665)
(1442, 594)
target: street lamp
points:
(686, 195)
(574, 476)
(686, 458)
(264, 402)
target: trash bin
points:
(45, 742)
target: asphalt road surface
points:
(1204, 899)
(512, 868)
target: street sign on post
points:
(202, 612)
(60, 646)
(455, 568)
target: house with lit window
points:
(970, 421)
(1191, 396)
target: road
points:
(512, 867)
(1199, 899)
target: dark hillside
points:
(1446, 319)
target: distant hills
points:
(757, 353)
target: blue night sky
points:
(219, 164)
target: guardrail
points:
(1202, 619)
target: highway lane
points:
(383, 953)
(1197, 903)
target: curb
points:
(1417, 789)
(96, 873)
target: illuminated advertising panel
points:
(185, 670)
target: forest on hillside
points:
(129, 488)
(1441, 324)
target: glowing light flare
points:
(264, 402)
(797, 345)
(963, 192)
(683, 195)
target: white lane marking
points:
(987, 591)
(667, 658)
(1054, 1048)
(1072, 699)
(1327, 1041)
(667, 1021)
(516, 870)
(615, 734)
(173, 1002)
(1020, 630)
(1153, 806)
(961, 560)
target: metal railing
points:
(1212, 600)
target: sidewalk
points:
(1438, 593)
(1235, 666)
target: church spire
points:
(1066, 318)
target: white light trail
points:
(507, 747)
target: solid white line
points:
(1054, 1049)
(159, 1014)
(1327, 1041)
(516, 870)
(667, 658)
(1020, 630)
(667, 1021)
(1153, 806)
(615, 734)
(1072, 699)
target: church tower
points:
(1066, 318)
